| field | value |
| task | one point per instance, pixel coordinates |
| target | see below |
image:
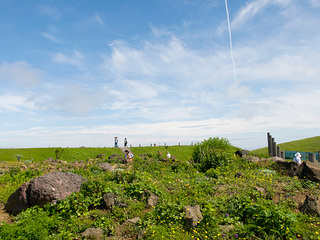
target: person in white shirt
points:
(168, 155)
(297, 158)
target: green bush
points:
(212, 153)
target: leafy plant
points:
(212, 153)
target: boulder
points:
(310, 171)
(289, 168)
(42, 190)
(107, 167)
(311, 206)
(110, 200)
(152, 200)
(193, 216)
(93, 233)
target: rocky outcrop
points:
(311, 206)
(42, 190)
(289, 168)
(310, 171)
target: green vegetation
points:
(233, 205)
(41, 154)
(305, 145)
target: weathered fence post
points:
(278, 151)
(139, 145)
(283, 154)
(312, 157)
(274, 148)
(319, 156)
(269, 144)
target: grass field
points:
(260, 204)
(41, 154)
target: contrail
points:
(231, 49)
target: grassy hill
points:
(304, 145)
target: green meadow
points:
(238, 199)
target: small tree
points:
(18, 157)
(58, 151)
(212, 153)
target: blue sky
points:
(77, 73)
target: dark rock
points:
(193, 216)
(18, 201)
(42, 190)
(110, 200)
(93, 233)
(310, 171)
(311, 206)
(241, 153)
(289, 168)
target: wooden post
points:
(139, 145)
(312, 157)
(283, 155)
(274, 148)
(319, 156)
(269, 144)
(278, 151)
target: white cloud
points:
(74, 60)
(253, 8)
(21, 73)
(13, 103)
(76, 99)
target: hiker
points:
(125, 142)
(168, 155)
(297, 158)
(128, 156)
(116, 142)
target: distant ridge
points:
(311, 144)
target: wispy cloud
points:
(75, 59)
(50, 11)
(97, 19)
(253, 8)
(15, 103)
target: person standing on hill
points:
(125, 142)
(297, 158)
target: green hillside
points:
(304, 145)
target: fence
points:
(304, 155)
(274, 150)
